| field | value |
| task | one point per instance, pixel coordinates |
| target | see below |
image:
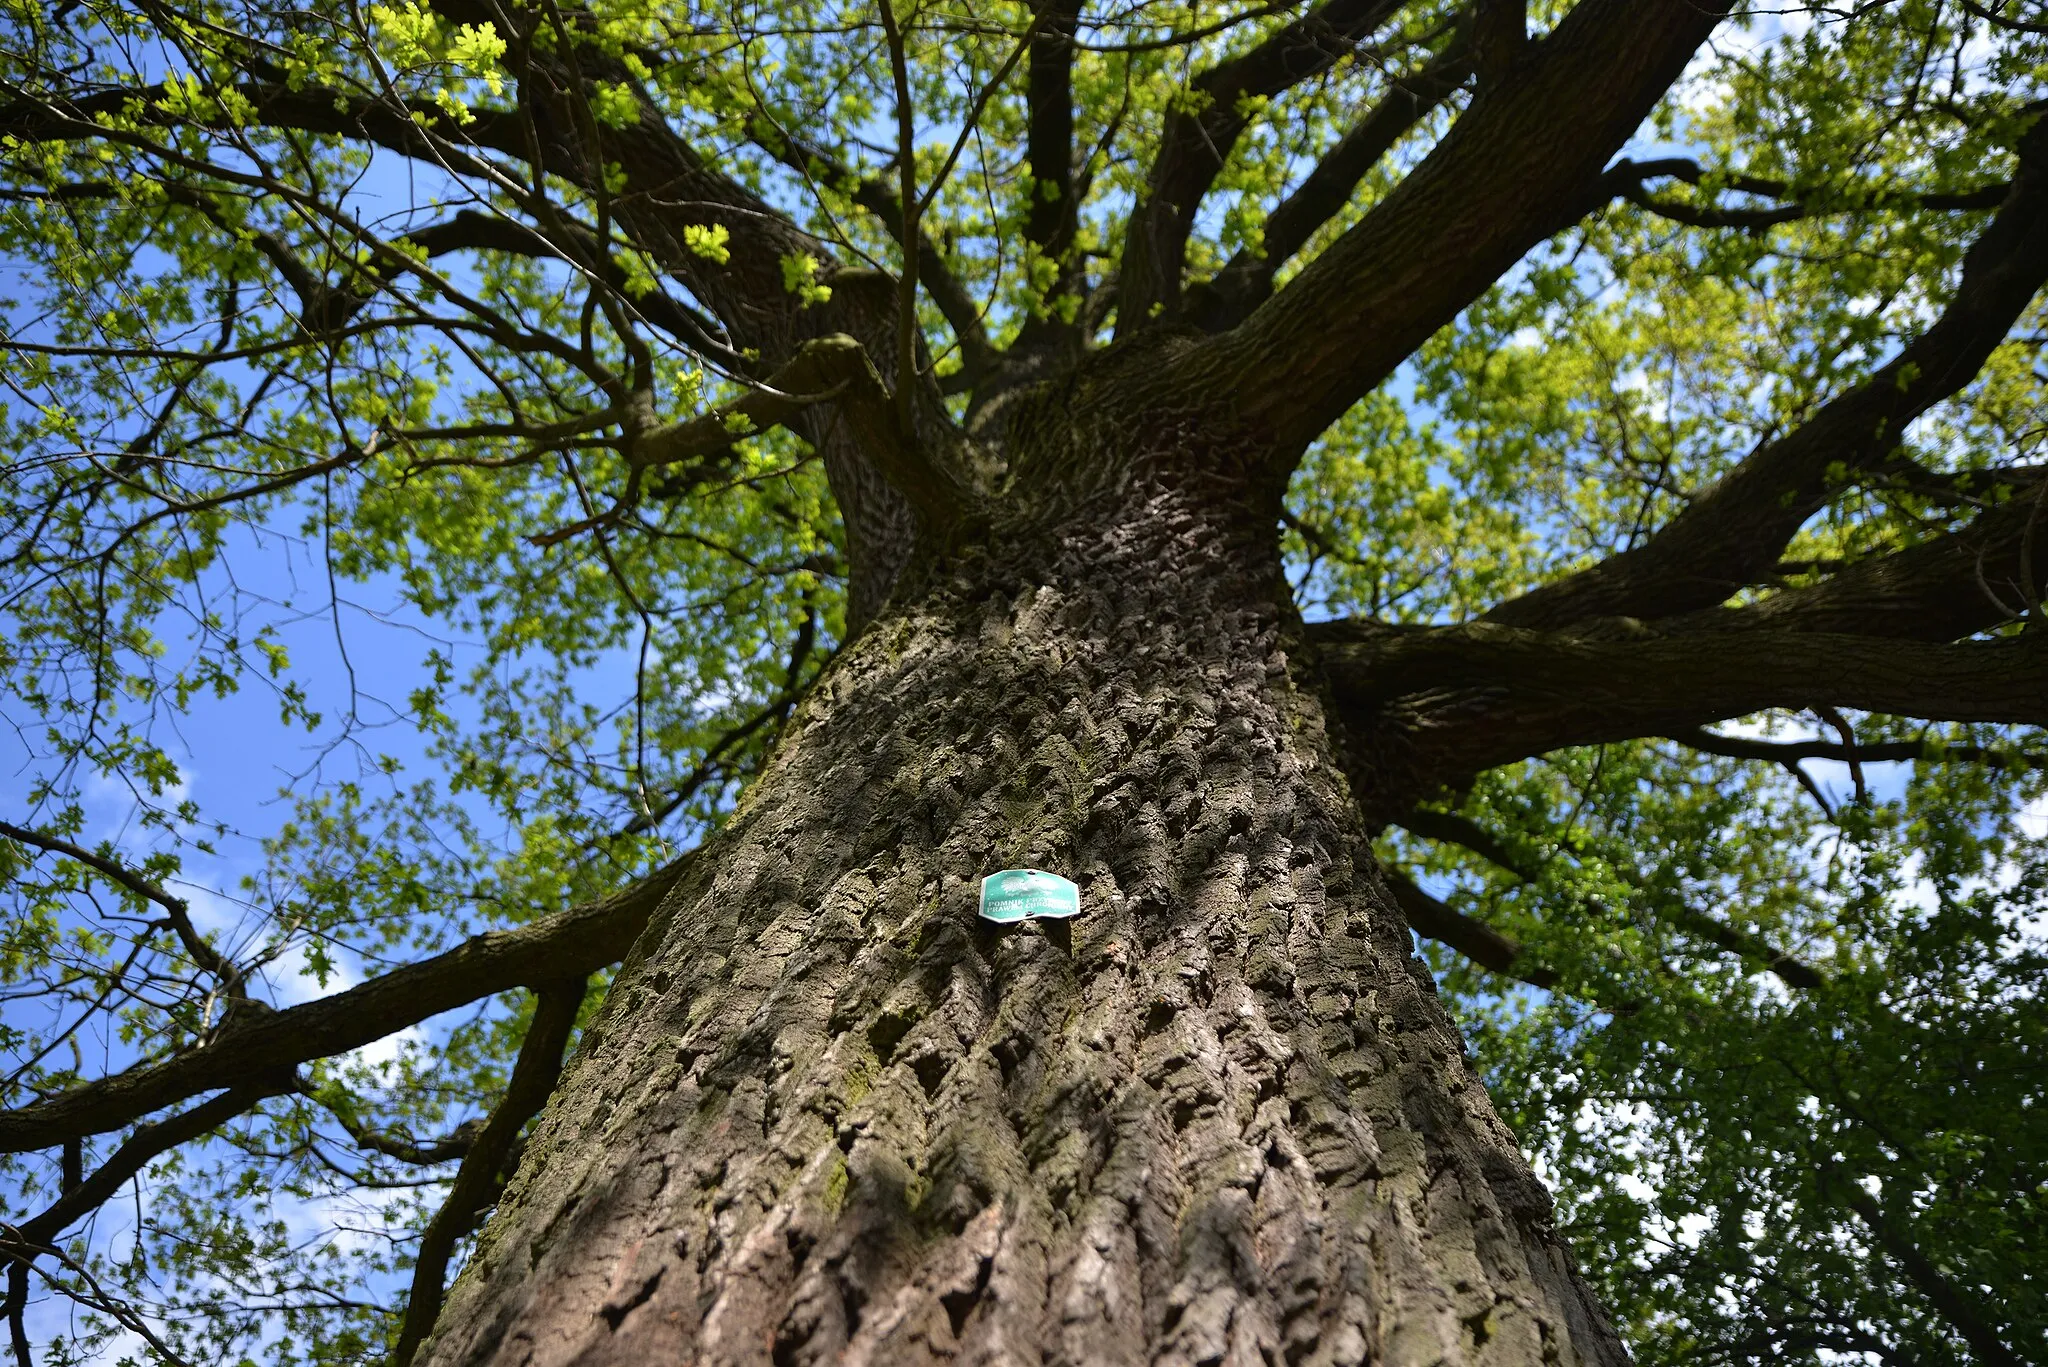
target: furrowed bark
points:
(828, 1116)
(582, 940)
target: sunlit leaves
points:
(246, 394)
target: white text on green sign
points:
(1027, 894)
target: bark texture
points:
(828, 1116)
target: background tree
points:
(1304, 471)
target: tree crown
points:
(525, 403)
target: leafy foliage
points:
(265, 372)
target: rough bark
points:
(827, 1116)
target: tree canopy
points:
(428, 495)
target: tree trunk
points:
(828, 1116)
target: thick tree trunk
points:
(828, 1116)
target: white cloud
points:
(2034, 820)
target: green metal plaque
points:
(1025, 894)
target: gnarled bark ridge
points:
(828, 1116)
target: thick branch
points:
(16, 1310)
(1464, 699)
(482, 1171)
(581, 940)
(1477, 941)
(1517, 166)
(1199, 136)
(1982, 575)
(1050, 220)
(1734, 532)
(1247, 281)
(833, 368)
(1499, 38)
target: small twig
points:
(1834, 718)
(176, 910)
(1806, 781)
(22, 1254)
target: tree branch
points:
(1990, 15)
(1930, 750)
(87, 1292)
(1247, 281)
(1625, 180)
(141, 1147)
(1437, 702)
(1517, 166)
(1949, 1301)
(37, 1235)
(1498, 33)
(580, 940)
(1477, 941)
(836, 368)
(959, 308)
(1450, 828)
(405, 127)
(1734, 532)
(1986, 573)
(176, 910)
(655, 187)
(479, 1178)
(403, 1148)
(1051, 218)
(1198, 137)
(1463, 831)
